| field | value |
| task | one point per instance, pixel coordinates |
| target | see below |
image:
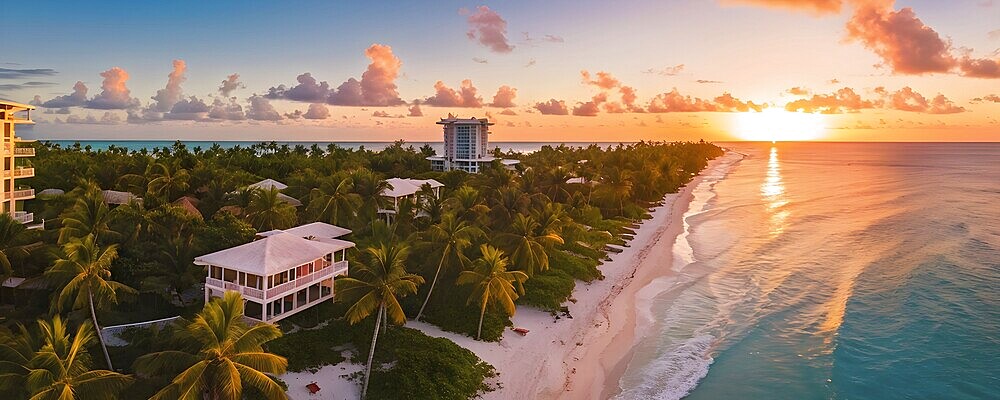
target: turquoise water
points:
(834, 271)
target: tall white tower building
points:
(12, 194)
(466, 145)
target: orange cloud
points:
(552, 107)
(414, 110)
(504, 97)
(114, 94)
(377, 86)
(445, 96)
(674, 101)
(603, 80)
(166, 98)
(900, 38)
(590, 108)
(798, 91)
(842, 101)
(906, 99)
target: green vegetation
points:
(490, 243)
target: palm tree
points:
(268, 211)
(333, 201)
(378, 285)
(618, 184)
(369, 188)
(528, 243)
(225, 356)
(55, 365)
(165, 181)
(452, 236)
(467, 203)
(84, 275)
(89, 215)
(493, 283)
(15, 238)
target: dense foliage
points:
(547, 223)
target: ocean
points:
(833, 271)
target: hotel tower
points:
(14, 194)
(466, 146)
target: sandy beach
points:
(568, 358)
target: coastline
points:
(568, 358)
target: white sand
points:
(578, 358)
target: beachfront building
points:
(466, 146)
(405, 190)
(282, 272)
(13, 194)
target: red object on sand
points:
(313, 388)
(522, 331)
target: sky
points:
(878, 70)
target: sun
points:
(775, 124)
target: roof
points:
(269, 183)
(289, 199)
(6, 104)
(405, 187)
(13, 282)
(52, 192)
(189, 204)
(116, 197)
(312, 230)
(271, 255)
(453, 120)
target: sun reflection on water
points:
(773, 190)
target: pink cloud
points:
(377, 86)
(317, 111)
(230, 84)
(77, 98)
(165, 98)
(814, 6)
(445, 96)
(844, 100)
(504, 97)
(906, 99)
(114, 94)
(900, 38)
(414, 110)
(590, 108)
(674, 101)
(489, 29)
(602, 79)
(262, 110)
(552, 107)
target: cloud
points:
(590, 108)
(530, 63)
(479, 60)
(674, 101)
(229, 111)
(798, 91)
(384, 114)
(844, 100)
(36, 101)
(906, 99)
(76, 99)
(445, 96)
(317, 111)
(230, 84)
(813, 6)
(25, 85)
(992, 98)
(190, 109)
(833, 81)
(414, 110)
(377, 86)
(900, 39)
(108, 118)
(165, 98)
(979, 68)
(552, 107)
(504, 97)
(508, 111)
(602, 79)
(707, 81)
(261, 109)
(114, 94)
(668, 71)
(488, 28)
(9, 73)
(294, 114)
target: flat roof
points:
(7, 104)
(273, 254)
(318, 230)
(405, 187)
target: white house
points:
(283, 272)
(404, 189)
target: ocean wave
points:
(675, 374)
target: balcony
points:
(244, 290)
(24, 172)
(24, 151)
(337, 268)
(21, 194)
(24, 217)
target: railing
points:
(244, 290)
(24, 151)
(23, 217)
(307, 279)
(21, 194)
(24, 172)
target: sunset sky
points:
(560, 70)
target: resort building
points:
(12, 193)
(281, 273)
(403, 190)
(466, 146)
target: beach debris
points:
(313, 388)
(521, 331)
